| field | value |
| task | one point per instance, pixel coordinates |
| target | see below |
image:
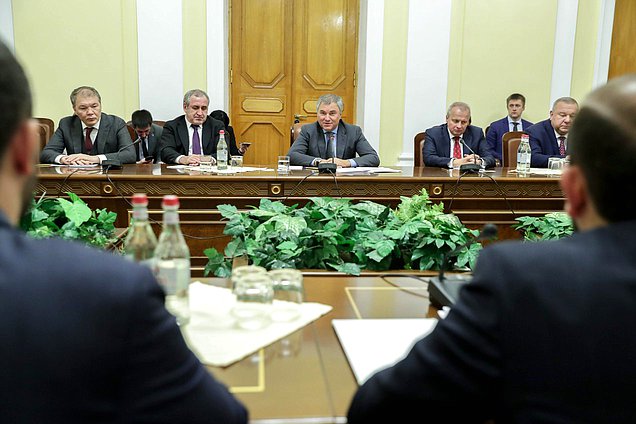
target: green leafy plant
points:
(551, 226)
(340, 235)
(70, 219)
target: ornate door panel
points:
(284, 55)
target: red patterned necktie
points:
(457, 150)
(88, 143)
(562, 146)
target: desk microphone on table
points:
(469, 167)
(116, 163)
(444, 291)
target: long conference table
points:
(494, 197)
(305, 378)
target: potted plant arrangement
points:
(551, 226)
(340, 235)
(71, 220)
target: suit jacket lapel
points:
(341, 140)
(446, 144)
(77, 138)
(322, 145)
(206, 137)
(184, 137)
(102, 135)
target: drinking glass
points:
(236, 162)
(555, 165)
(283, 165)
(288, 294)
(206, 163)
(254, 296)
(242, 270)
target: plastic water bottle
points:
(141, 241)
(172, 257)
(523, 155)
(221, 152)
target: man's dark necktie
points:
(331, 153)
(196, 141)
(515, 126)
(144, 147)
(88, 143)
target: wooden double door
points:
(284, 55)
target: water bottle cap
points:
(140, 199)
(170, 200)
(222, 132)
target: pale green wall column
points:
(393, 77)
(194, 45)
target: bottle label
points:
(173, 275)
(170, 217)
(140, 214)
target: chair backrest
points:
(509, 145)
(46, 128)
(294, 132)
(418, 145)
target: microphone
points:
(116, 163)
(469, 167)
(444, 291)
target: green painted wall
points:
(194, 42)
(65, 44)
(393, 77)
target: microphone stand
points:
(444, 291)
(469, 167)
(116, 163)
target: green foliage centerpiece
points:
(337, 234)
(71, 220)
(551, 226)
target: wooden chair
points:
(294, 131)
(510, 143)
(46, 128)
(418, 145)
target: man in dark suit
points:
(456, 142)
(89, 136)
(192, 135)
(516, 104)
(549, 138)
(148, 136)
(332, 140)
(85, 335)
(542, 332)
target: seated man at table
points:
(85, 334)
(540, 335)
(89, 135)
(549, 138)
(192, 135)
(516, 104)
(148, 136)
(456, 142)
(332, 140)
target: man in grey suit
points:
(89, 136)
(148, 136)
(332, 140)
(85, 335)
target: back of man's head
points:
(602, 142)
(141, 119)
(15, 97)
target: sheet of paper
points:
(374, 344)
(215, 339)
